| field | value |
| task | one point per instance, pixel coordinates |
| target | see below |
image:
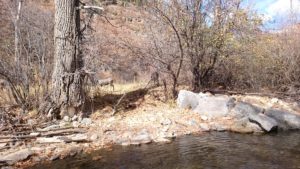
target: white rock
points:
(86, 121)
(75, 117)
(274, 100)
(75, 124)
(94, 137)
(35, 134)
(187, 99)
(66, 118)
(204, 127)
(204, 118)
(166, 122)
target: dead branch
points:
(115, 110)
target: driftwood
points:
(43, 134)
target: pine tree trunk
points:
(67, 79)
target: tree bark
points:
(196, 78)
(67, 78)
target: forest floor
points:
(141, 116)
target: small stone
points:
(31, 122)
(74, 118)
(86, 121)
(162, 139)
(94, 137)
(166, 122)
(2, 145)
(274, 100)
(204, 118)
(75, 124)
(165, 128)
(192, 123)
(35, 134)
(36, 159)
(63, 124)
(54, 157)
(218, 127)
(204, 127)
(66, 118)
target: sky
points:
(275, 12)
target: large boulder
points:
(255, 115)
(243, 125)
(242, 109)
(286, 120)
(187, 99)
(266, 123)
(211, 106)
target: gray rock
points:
(210, 106)
(286, 120)
(17, 156)
(86, 121)
(142, 138)
(213, 106)
(204, 127)
(255, 115)
(242, 109)
(218, 127)
(245, 126)
(54, 157)
(266, 123)
(94, 137)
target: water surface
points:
(211, 150)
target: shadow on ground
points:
(130, 101)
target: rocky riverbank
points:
(152, 121)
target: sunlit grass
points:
(119, 88)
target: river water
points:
(211, 150)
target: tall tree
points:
(67, 79)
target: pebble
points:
(94, 137)
(166, 122)
(204, 127)
(66, 118)
(86, 121)
(204, 118)
(75, 124)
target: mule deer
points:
(105, 82)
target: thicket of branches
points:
(199, 43)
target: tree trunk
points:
(196, 78)
(67, 78)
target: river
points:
(210, 150)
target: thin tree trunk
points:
(16, 24)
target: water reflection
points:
(212, 150)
